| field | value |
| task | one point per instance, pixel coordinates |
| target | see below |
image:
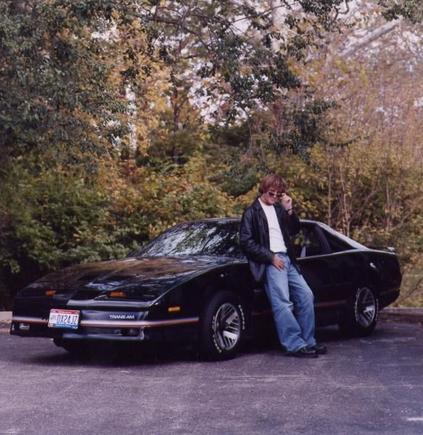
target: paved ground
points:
(363, 386)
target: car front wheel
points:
(361, 315)
(222, 326)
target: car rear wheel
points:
(222, 326)
(361, 315)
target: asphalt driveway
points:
(363, 386)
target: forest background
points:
(120, 118)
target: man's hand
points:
(278, 262)
(286, 202)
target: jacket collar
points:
(257, 206)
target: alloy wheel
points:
(365, 309)
(226, 326)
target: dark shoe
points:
(304, 352)
(320, 349)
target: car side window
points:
(307, 243)
(335, 244)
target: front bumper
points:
(110, 326)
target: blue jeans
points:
(292, 305)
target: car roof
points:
(229, 220)
(224, 220)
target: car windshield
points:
(215, 238)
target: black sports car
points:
(192, 283)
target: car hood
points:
(147, 277)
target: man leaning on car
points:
(266, 227)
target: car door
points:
(346, 265)
(312, 249)
(331, 266)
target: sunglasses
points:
(275, 195)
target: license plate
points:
(63, 319)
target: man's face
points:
(271, 196)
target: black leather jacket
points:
(254, 236)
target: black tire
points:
(222, 326)
(361, 315)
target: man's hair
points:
(272, 181)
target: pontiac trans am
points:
(192, 283)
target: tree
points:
(54, 80)
(63, 113)
(231, 45)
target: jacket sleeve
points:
(249, 245)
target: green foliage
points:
(153, 199)
(304, 125)
(410, 9)
(65, 67)
(52, 80)
(370, 194)
(54, 218)
(227, 152)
